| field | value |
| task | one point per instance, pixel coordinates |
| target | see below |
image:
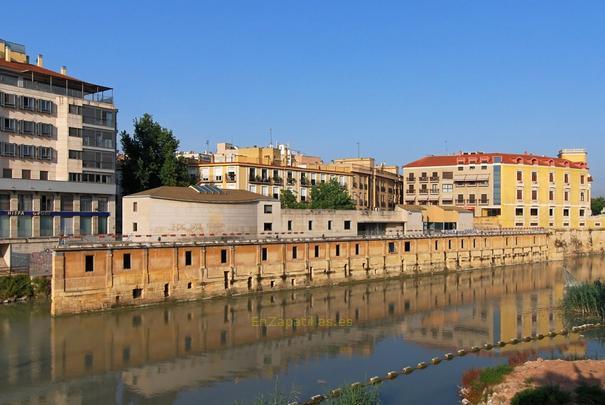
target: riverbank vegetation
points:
(476, 383)
(553, 395)
(22, 287)
(584, 302)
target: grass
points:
(586, 301)
(553, 395)
(476, 383)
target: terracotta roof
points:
(487, 158)
(410, 207)
(188, 194)
(28, 67)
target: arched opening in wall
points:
(226, 279)
(189, 285)
(272, 283)
(166, 290)
(117, 299)
(293, 282)
(249, 283)
(311, 273)
(346, 271)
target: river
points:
(228, 350)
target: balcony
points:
(434, 178)
(231, 179)
(483, 202)
(472, 201)
(424, 191)
(423, 179)
(434, 191)
(459, 202)
(411, 179)
(291, 181)
(410, 191)
(260, 180)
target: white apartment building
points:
(57, 157)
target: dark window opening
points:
(357, 249)
(310, 225)
(268, 226)
(391, 247)
(329, 225)
(347, 225)
(264, 254)
(289, 225)
(337, 250)
(294, 252)
(166, 290)
(137, 292)
(407, 246)
(223, 256)
(90, 264)
(316, 250)
(126, 261)
(188, 258)
(189, 285)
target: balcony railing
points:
(424, 191)
(483, 202)
(410, 191)
(423, 179)
(434, 178)
(459, 202)
(231, 179)
(434, 191)
(411, 178)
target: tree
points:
(150, 159)
(597, 205)
(288, 199)
(331, 195)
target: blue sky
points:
(404, 79)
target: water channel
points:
(226, 351)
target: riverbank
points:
(21, 288)
(533, 377)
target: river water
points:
(226, 351)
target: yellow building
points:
(506, 190)
(268, 170)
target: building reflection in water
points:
(162, 350)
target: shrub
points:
(590, 395)
(548, 395)
(15, 287)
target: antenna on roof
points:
(207, 146)
(271, 137)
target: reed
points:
(586, 301)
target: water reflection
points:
(161, 351)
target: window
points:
(534, 177)
(316, 250)
(533, 212)
(102, 225)
(268, 209)
(310, 225)
(135, 227)
(75, 109)
(24, 226)
(45, 129)
(76, 132)
(223, 256)
(268, 226)
(85, 203)
(188, 258)
(102, 204)
(28, 127)
(24, 202)
(294, 252)
(566, 178)
(347, 225)
(7, 173)
(565, 212)
(447, 175)
(337, 250)
(519, 175)
(519, 212)
(27, 103)
(581, 196)
(264, 254)
(447, 188)
(534, 195)
(46, 225)
(329, 225)
(45, 106)
(43, 175)
(26, 174)
(566, 196)
(391, 247)
(134, 206)
(582, 179)
(581, 213)
(551, 177)
(46, 202)
(9, 100)
(85, 225)
(75, 154)
(67, 203)
(519, 194)
(407, 246)
(551, 212)
(126, 261)
(9, 125)
(89, 264)
(551, 195)
(289, 224)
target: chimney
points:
(39, 60)
(63, 70)
(7, 53)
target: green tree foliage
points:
(331, 195)
(597, 205)
(288, 199)
(150, 157)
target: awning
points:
(471, 177)
(459, 177)
(482, 177)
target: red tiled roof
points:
(27, 68)
(487, 158)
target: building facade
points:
(205, 211)
(57, 148)
(269, 170)
(506, 190)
